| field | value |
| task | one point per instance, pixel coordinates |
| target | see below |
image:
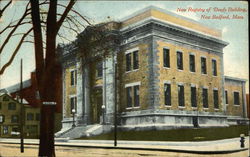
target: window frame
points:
(166, 96)
(216, 106)
(181, 60)
(132, 60)
(181, 96)
(131, 87)
(226, 97)
(11, 106)
(193, 102)
(205, 59)
(73, 77)
(194, 66)
(205, 100)
(30, 116)
(214, 71)
(166, 58)
(234, 92)
(73, 98)
(14, 121)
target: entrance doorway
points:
(97, 105)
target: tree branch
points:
(14, 53)
(4, 8)
(64, 15)
(76, 13)
(14, 29)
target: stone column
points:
(79, 93)
(244, 104)
(86, 90)
(109, 87)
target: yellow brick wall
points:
(186, 77)
(69, 90)
(172, 19)
(233, 110)
(140, 75)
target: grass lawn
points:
(200, 134)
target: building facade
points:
(10, 111)
(167, 72)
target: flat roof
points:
(170, 17)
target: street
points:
(7, 150)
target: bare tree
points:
(45, 26)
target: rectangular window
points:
(203, 65)
(193, 97)
(236, 98)
(73, 77)
(166, 58)
(167, 94)
(0, 105)
(214, 67)
(179, 60)
(135, 60)
(216, 99)
(11, 106)
(205, 97)
(1, 118)
(128, 62)
(99, 69)
(181, 95)
(192, 63)
(14, 119)
(136, 96)
(129, 96)
(30, 116)
(226, 97)
(37, 116)
(73, 102)
(5, 130)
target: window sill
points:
(180, 70)
(194, 108)
(204, 74)
(236, 105)
(166, 68)
(131, 108)
(131, 71)
(181, 107)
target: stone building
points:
(167, 72)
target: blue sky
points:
(235, 32)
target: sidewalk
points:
(206, 147)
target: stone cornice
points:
(166, 25)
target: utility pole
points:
(22, 107)
(115, 99)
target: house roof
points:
(16, 87)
